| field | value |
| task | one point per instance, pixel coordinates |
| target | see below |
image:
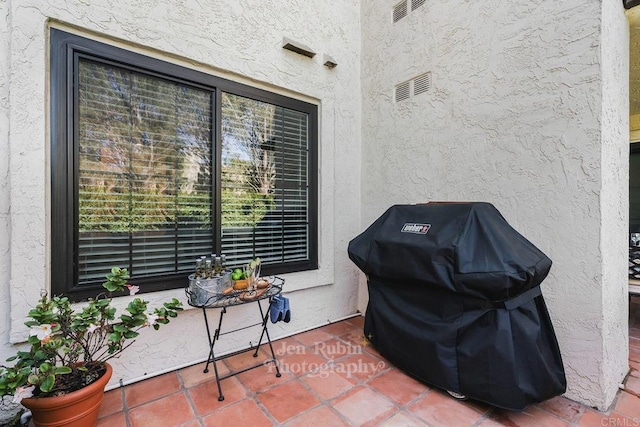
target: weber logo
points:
(416, 228)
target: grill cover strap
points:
(516, 302)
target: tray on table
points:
(213, 299)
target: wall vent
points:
(403, 91)
(416, 4)
(422, 83)
(415, 86)
(400, 11)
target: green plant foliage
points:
(68, 348)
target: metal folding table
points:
(222, 301)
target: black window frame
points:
(65, 49)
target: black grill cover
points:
(455, 301)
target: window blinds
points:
(143, 173)
(145, 181)
(265, 194)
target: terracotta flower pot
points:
(77, 409)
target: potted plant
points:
(69, 350)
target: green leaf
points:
(110, 286)
(62, 370)
(119, 327)
(48, 383)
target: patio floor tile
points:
(563, 408)
(151, 389)
(632, 386)
(357, 321)
(313, 336)
(530, 417)
(628, 405)
(244, 360)
(246, 410)
(286, 401)
(264, 381)
(368, 348)
(488, 422)
(397, 386)
(339, 328)
(287, 346)
(113, 420)
(169, 411)
(111, 403)
(205, 396)
(322, 416)
(403, 419)
(194, 375)
(328, 379)
(363, 405)
(437, 409)
(363, 366)
(356, 337)
(299, 364)
(334, 349)
(327, 384)
(592, 418)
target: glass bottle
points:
(208, 269)
(198, 271)
(218, 266)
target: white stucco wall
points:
(4, 174)
(526, 111)
(614, 196)
(236, 40)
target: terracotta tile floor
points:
(331, 377)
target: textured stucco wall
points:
(236, 40)
(4, 173)
(516, 116)
(614, 194)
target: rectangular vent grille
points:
(403, 91)
(415, 86)
(416, 4)
(422, 83)
(400, 11)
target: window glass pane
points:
(144, 173)
(265, 194)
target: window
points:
(154, 165)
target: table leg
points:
(265, 331)
(212, 342)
